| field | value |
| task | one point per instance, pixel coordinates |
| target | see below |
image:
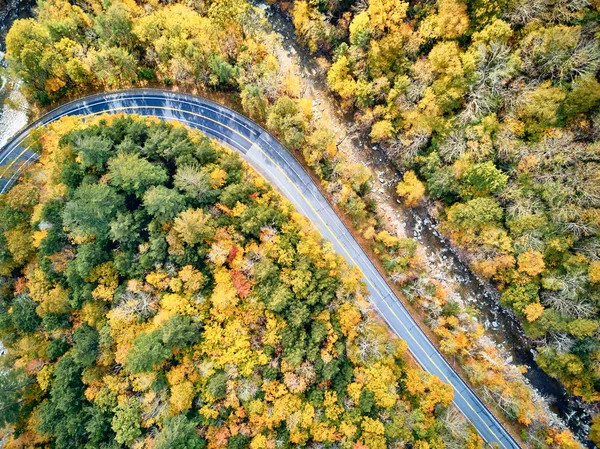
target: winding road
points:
(280, 168)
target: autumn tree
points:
(411, 189)
(286, 119)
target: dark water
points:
(12, 118)
(504, 327)
(10, 10)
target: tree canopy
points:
(218, 320)
(496, 107)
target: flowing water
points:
(13, 113)
(501, 325)
(11, 10)
(13, 108)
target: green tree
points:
(57, 348)
(541, 105)
(285, 119)
(366, 403)
(254, 102)
(582, 328)
(98, 427)
(92, 209)
(163, 203)
(222, 72)
(114, 26)
(238, 441)
(66, 393)
(583, 97)
(194, 226)
(148, 351)
(93, 151)
(179, 331)
(24, 316)
(217, 385)
(482, 180)
(279, 298)
(85, 348)
(518, 297)
(192, 180)
(126, 422)
(475, 213)
(115, 66)
(126, 227)
(594, 435)
(13, 384)
(134, 174)
(179, 433)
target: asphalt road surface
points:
(280, 168)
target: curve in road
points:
(280, 168)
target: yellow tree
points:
(386, 15)
(531, 263)
(193, 226)
(410, 189)
(224, 297)
(594, 272)
(533, 311)
(340, 79)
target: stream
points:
(13, 107)
(501, 325)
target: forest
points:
(157, 292)
(490, 108)
(495, 105)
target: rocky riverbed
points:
(444, 261)
(13, 108)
